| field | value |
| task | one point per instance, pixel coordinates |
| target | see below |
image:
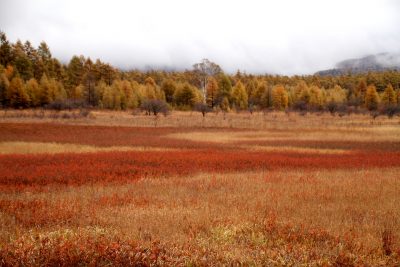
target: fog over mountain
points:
(371, 62)
(378, 62)
(281, 37)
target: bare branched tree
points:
(205, 69)
(155, 106)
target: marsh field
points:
(273, 189)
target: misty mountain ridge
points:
(377, 62)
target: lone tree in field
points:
(279, 97)
(371, 98)
(202, 108)
(155, 106)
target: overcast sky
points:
(282, 36)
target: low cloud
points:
(281, 37)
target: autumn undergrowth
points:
(324, 196)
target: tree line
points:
(31, 77)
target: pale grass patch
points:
(244, 120)
(372, 134)
(296, 149)
(54, 148)
(216, 137)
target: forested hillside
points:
(375, 63)
(31, 77)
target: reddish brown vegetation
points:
(75, 227)
(39, 212)
(120, 167)
(90, 249)
(96, 247)
(96, 135)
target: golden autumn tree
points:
(16, 94)
(336, 94)
(361, 88)
(263, 94)
(128, 97)
(4, 84)
(77, 92)
(152, 91)
(6, 53)
(279, 97)
(186, 96)
(357, 94)
(118, 96)
(266, 98)
(33, 91)
(169, 87)
(398, 95)
(75, 72)
(301, 92)
(261, 88)
(316, 97)
(251, 87)
(389, 96)
(132, 100)
(107, 99)
(211, 91)
(224, 92)
(239, 96)
(371, 99)
(99, 89)
(46, 90)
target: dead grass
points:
(371, 134)
(54, 148)
(331, 200)
(225, 213)
(288, 148)
(287, 216)
(178, 119)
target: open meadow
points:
(272, 189)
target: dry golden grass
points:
(338, 201)
(285, 217)
(257, 120)
(295, 149)
(225, 213)
(54, 148)
(370, 134)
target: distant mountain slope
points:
(378, 62)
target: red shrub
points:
(120, 167)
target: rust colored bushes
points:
(120, 167)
